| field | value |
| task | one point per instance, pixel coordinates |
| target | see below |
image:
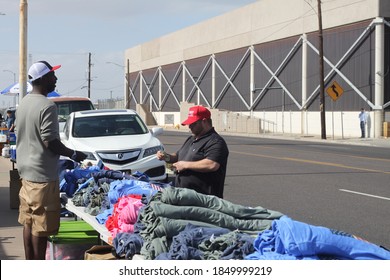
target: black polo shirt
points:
(211, 146)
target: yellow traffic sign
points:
(334, 91)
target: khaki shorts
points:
(40, 207)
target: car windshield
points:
(108, 125)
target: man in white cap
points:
(201, 162)
(38, 148)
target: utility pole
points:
(128, 85)
(89, 75)
(23, 49)
(321, 54)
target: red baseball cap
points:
(197, 113)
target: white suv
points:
(117, 137)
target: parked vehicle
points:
(69, 104)
(117, 137)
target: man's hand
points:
(79, 156)
(160, 155)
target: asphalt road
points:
(343, 187)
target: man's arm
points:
(58, 148)
(204, 165)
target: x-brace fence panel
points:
(231, 79)
(334, 69)
(134, 86)
(170, 85)
(184, 70)
(387, 104)
(149, 87)
(198, 81)
(274, 75)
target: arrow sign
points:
(334, 91)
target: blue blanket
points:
(289, 239)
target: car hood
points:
(114, 143)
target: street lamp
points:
(110, 62)
(127, 77)
(12, 72)
(83, 87)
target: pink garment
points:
(126, 213)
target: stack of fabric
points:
(180, 224)
(157, 221)
(169, 212)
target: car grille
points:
(119, 158)
(155, 172)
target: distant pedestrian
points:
(363, 122)
(10, 120)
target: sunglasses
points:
(195, 123)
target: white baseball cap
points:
(40, 69)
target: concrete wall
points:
(262, 21)
(338, 124)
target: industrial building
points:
(258, 69)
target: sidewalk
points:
(11, 239)
(11, 232)
(374, 142)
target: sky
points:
(65, 32)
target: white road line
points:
(366, 194)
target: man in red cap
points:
(38, 148)
(201, 162)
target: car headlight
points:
(90, 156)
(152, 150)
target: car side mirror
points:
(156, 131)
